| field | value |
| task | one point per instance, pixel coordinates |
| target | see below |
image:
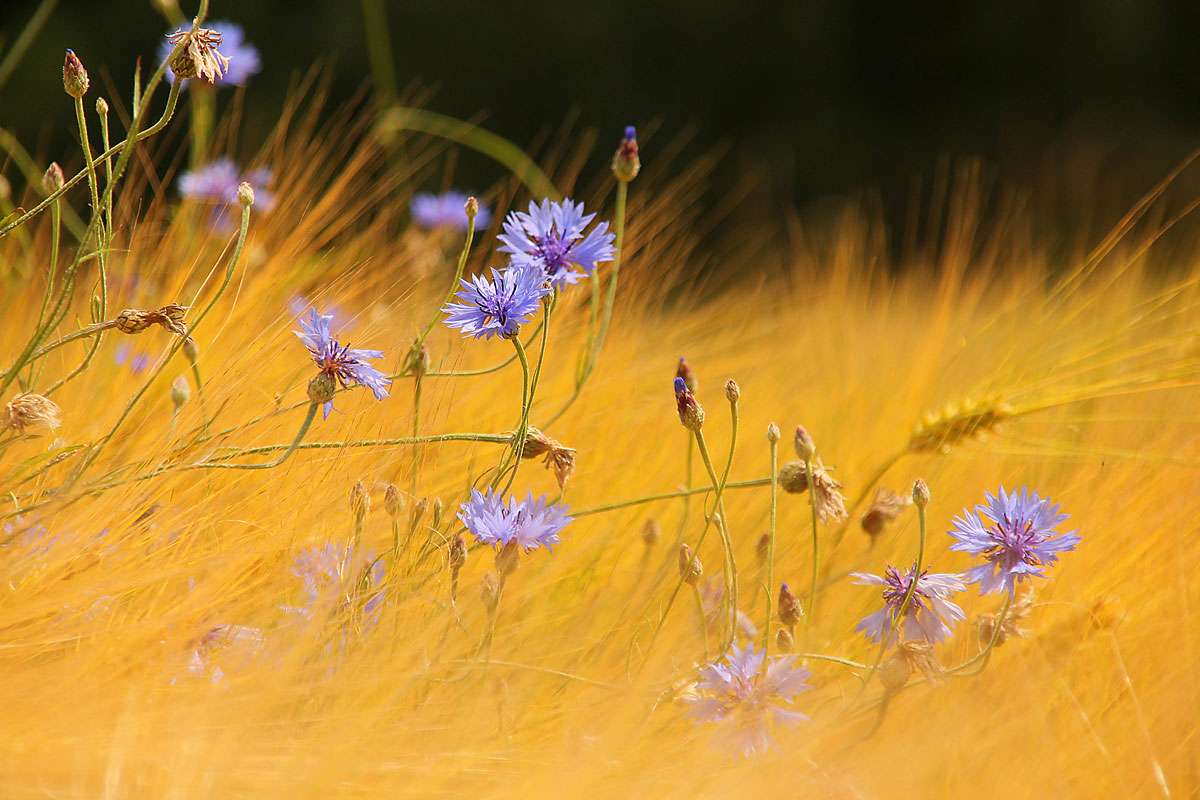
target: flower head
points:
(749, 702)
(1015, 533)
(29, 411)
(447, 210)
(339, 580)
(691, 413)
(550, 239)
(886, 506)
(831, 503)
(218, 182)
(529, 522)
(929, 615)
(340, 362)
(497, 306)
(242, 62)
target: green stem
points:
(518, 443)
(304, 426)
(812, 498)
(906, 601)
(977, 662)
(203, 101)
(731, 588)
(379, 50)
(455, 285)
(774, 447)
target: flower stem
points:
(977, 662)
(774, 447)
(731, 589)
(905, 601)
(816, 543)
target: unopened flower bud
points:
(689, 378)
(458, 553)
(625, 163)
(789, 607)
(690, 568)
(417, 513)
(508, 559)
(322, 388)
(393, 502)
(438, 510)
(733, 392)
(245, 194)
(920, 494)
(28, 412)
(650, 532)
(773, 434)
(691, 413)
(101, 106)
(784, 640)
(360, 501)
(806, 448)
(53, 180)
(180, 392)
(471, 207)
(75, 77)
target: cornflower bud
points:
(245, 194)
(691, 413)
(53, 180)
(650, 532)
(895, 672)
(322, 388)
(733, 392)
(101, 106)
(689, 378)
(920, 493)
(471, 207)
(180, 392)
(806, 448)
(489, 593)
(360, 502)
(625, 163)
(785, 640)
(438, 509)
(75, 77)
(690, 568)
(773, 433)
(789, 607)
(393, 502)
(190, 350)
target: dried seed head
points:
(245, 194)
(651, 532)
(559, 458)
(690, 568)
(806, 448)
(689, 378)
(30, 412)
(773, 433)
(895, 672)
(393, 502)
(471, 207)
(322, 388)
(190, 350)
(101, 106)
(733, 392)
(458, 553)
(134, 320)
(360, 501)
(197, 57)
(691, 413)
(181, 392)
(920, 493)
(1018, 612)
(75, 77)
(784, 640)
(919, 655)
(831, 504)
(626, 164)
(885, 508)
(956, 422)
(53, 180)
(508, 559)
(763, 549)
(790, 611)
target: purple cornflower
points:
(929, 614)
(1017, 540)
(334, 579)
(217, 183)
(529, 522)
(498, 306)
(347, 366)
(244, 59)
(550, 238)
(738, 695)
(446, 210)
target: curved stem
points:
(816, 544)
(774, 447)
(731, 588)
(980, 660)
(454, 286)
(304, 426)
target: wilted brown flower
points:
(198, 56)
(559, 458)
(1018, 612)
(134, 320)
(30, 411)
(831, 504)
(886, 506)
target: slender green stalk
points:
(55, 235)
(533, 385)
(304, 426)
(458, 273)
(773, 444)
(379, 50)
(28, 34)
(203, 100)
(731, 587)
(702, 618)
(976, 664)
(89, 167)
(816, 543)
(518, 444)
(102, 112)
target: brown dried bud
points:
(773, 434)
(393, 502)
(75, 77)
(360, 501)
(806, 448)
(884, 509)
(458, 553)
(134, 320)
(559, 458)
(651, 532)
(831, 504)
(784, 640)
(508, 559)
(417, 513)
(53, 180)
(790, 611)
(29, 411)
(197, 57)
(626, 164)
(690, 568)
(322, 388)
(920, 493)
(733, 392)
(689, 378)
(438, 509)
(489, 592)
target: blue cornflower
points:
(1018, 538)
(551, 239)
(498, 306)
(347, 366)
(446, 210)
(529, 522)
(748, 702)
(332, 577)
(244, 59)
(929, 615)
(217, 183)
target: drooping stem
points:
(291, 448)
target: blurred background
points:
(1074, 108)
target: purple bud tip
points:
(70, 52)
(630, 133)
(680, 386)
(783, 586)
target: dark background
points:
(1081, 103)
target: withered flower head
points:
(1018, 612)
(884, 509)
(790, 611)
(134, 320)
(29, 411)
(690, 568)
(393, 503)
(559, 458)
(360, 501)
(831, 504)
(198, 56)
